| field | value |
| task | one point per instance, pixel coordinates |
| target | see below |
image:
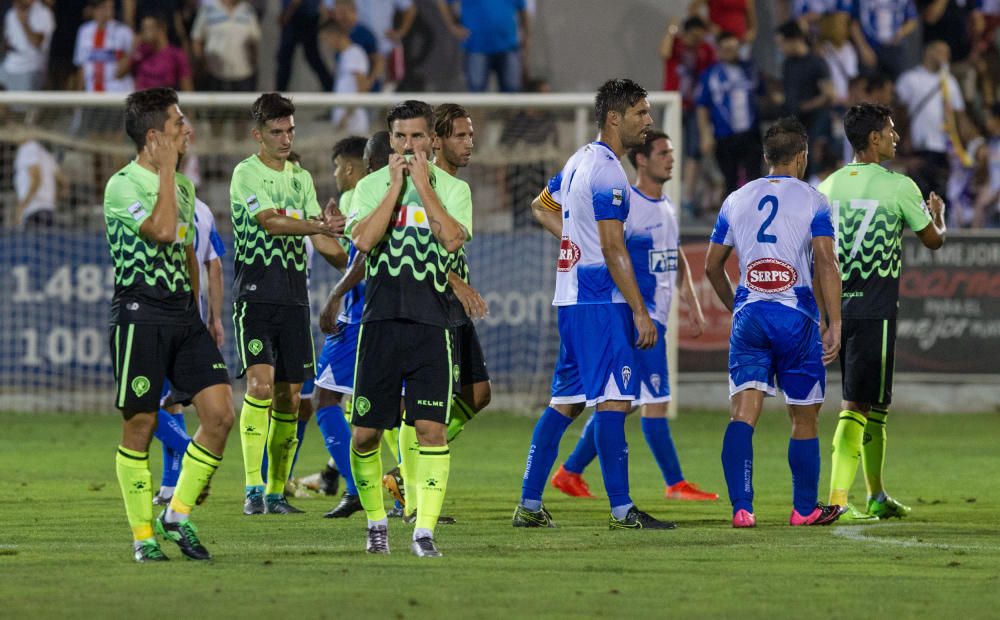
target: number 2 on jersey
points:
(762, 234)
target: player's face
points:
(342, 169)
(660, 163)
(457, 148)
(276, 137)
(636, 124)
(177, 129)
(411, 135)
(887, 140)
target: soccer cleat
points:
(887, 508)
(349, 504)
(185, 534)
(821, 515)
(639, 520)
(378, 540)
(689, 491)
(393, 483)
(742, 518)
(396, 512)
(853, 516)
(149, 551)
(329, 480)
(254, 504)
(532, 518)
(571, 483)
(280, 506)
(162, 499)
(424, 547)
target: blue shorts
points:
(772, 340)
(335, 370)
(308, 389)
(596, 355)
(653, 379)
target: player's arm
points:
(932, 235)
(368, 231)
(331, 250)
(547, 213)
(685, 286)
(616, 256)
(194, 274)
(278, 225)
(473, 303)
(715, 271)
(445, 228)
(354, 275)
(214, 270)
(827, 276)
(161, 225)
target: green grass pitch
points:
(65, 544)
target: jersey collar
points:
(605, 145)
(660, 199)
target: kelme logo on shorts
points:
(140, 385)
(255, 346)
(362, 405)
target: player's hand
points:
(329, 228)
(474, 304)
(698, 324)
(328, 317)
(831, 342)
(419, 168)
(935, 204)
(397, 169)
(217, 332)
(161, 151)
(646, 330)
(336, 220)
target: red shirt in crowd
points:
(684, 68)
(166, 67)
(729, 16)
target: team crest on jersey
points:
(654, 380)
(626, 374)
(617, 196)
(770, 275)
(569, 255)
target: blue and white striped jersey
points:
(653, 241)
(728, 91)
(881, 19)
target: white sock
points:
(422, 532)
(167, 491)
(381, 523)
(173, 516)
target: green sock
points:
(253, 437)
(409, 448)
(391, 439)
(367, 470)
(137, 490)
(281, 442)
(433, 464)
(873, 450)
(197, 469)
(846, 453)
(461, 413)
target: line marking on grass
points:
(858, 533)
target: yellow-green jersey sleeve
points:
(911, 205)
(364, 200)
(459, 206)
(246, 191)
(127, 203)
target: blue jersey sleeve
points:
(217, 244)
(721, 233)
(703, 97)
(822, 222)
(610, 193)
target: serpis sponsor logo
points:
(569, 255)
(770, 275)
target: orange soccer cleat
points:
(571, 484)
(689, 491)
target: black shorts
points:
(469, 353)
(393, 352)
(145, 355)
(276, 335)
(867, 357)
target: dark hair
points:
(995, 109)
(791, 30)
(877, 82)
(646, 147)
(377, 151)
(270, 106)
(159, 18)
(861, 120)
(694, 22)
(616, 95)
(352, 147)
(445, 116)
(724, 35)
(784, 140)
(411, 108)
(145, 110)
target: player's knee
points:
(365, 439)
(431, 433)
(326, 398)
(260, 389)
(569, 410)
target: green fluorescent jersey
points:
(457, 315)
(871, 205)
(152, 284)
(270, 269)
(407, 272)
(345, 209)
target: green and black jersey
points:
(871, 205)
(152, 284)
(457, 310)
(407, 272)
(270, 269)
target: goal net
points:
(58, 282)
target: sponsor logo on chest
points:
(770, 275)
(569, 255)
(411, 215)
(662, 261)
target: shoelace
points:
(152, 550)
(379, 538)
(425, 544)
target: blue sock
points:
(171, 431)
(737, 465)
(585, 451)
(803, 459)
(337, 437)
(542, 455)
(612, 450)
(171, 467)
(657, 432)
(300, 432)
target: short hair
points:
(784, 140)
(877, 82)
(409, 109)
(724, 36)
(377, 151)
(646, 147)
(693, 23)
(616, 95)
(445, 116)
(145, 110)
(92, 3)
(791, 30)
(159, 18)
(861, 120)
(270, 106)
(351, 146)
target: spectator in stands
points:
(36, 183)
(494, 36)
(878, 31)
(391, 21)
(63, 74)
(300, 25)
(808, 91)
(28, 28)
(346, 14)
(155, 61)
(687, 54)
(171, 11)
(812, 13)
(840, 56)
(959, 23)
(727, 115)
(934, 103)
(969, 193)
(737, 17)
(880, 90)
(224, 38)
(352, 77)
(104, 50)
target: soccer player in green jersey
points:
(409, 218)
(156, 331)
(873, 205)
(274, 208)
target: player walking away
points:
(597, 330)
(156, 333)
(873, 205)
(653, 241)
(274, 208)
(410, 218)
(781, 230)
